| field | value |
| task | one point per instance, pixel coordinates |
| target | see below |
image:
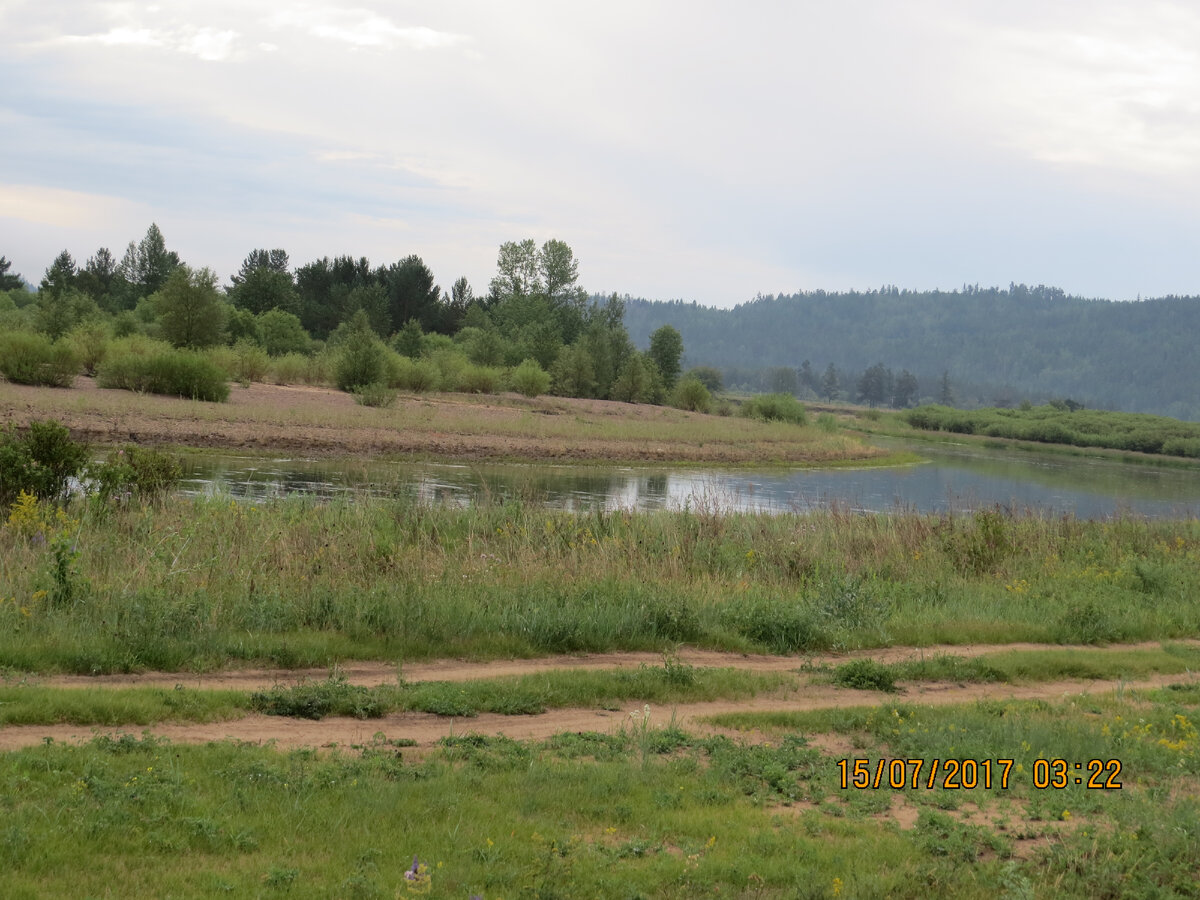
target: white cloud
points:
(1115, 90)
(209, 44)
(70, 210)
(363, 28)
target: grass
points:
(29, 703)
(1137, 432)
(1024, 666)
(645, 811)
(202, 583)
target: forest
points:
(969, 347)
(150, 322)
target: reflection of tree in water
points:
(980, 477)
(654, 488)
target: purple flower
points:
(412, 873)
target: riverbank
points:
(315, 421)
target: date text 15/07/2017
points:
(969, 774)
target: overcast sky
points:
(702, 150)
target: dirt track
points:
(426, 729)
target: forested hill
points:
(998, 346)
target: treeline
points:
(339, 320)
(995, 346)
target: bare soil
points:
(426, 729)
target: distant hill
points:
(998, 346)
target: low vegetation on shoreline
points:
(1137, 432)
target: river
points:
(955, 478)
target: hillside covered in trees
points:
(982, 346)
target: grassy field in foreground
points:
(199, 584)
(648, 811)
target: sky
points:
(706, 151)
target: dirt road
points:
(426, 729)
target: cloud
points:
(363, 29)
(1117, 90)
(43, 205)
(208, 44)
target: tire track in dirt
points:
(426, 729)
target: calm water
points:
(954, 479)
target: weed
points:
(865, 675)
(317, 699)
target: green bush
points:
(143, 471)
(530, 379)
(377, 394)
(28, 358)
(182, 373)
(473, 379)
(865, 675)
(1181, 447)
(250, 363)
(449, 363)
(775, 408)
(690, 393)
(317, 699)
(296, 368)
(41, 461)
(827, 422)
(422, 376)
(90, 342)
(361, 360)
(224, 358)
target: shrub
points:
(473, 379)
(449, 364)
(690, 393)
(137, 470)
(317, 699)
(422, 376)
(361, 360)
(530, 379)
(775, 408)
(377, 394)
(28, 358)
(865, 675)
(282, 332)
(41, 461)
(291, 368)
(224, 358)
(1181, 447)
(182, 373)
(90, 342)
(250, 362)
(827, 422)
(296, 368)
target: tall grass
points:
(200, 582)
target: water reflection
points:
(956, 479)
